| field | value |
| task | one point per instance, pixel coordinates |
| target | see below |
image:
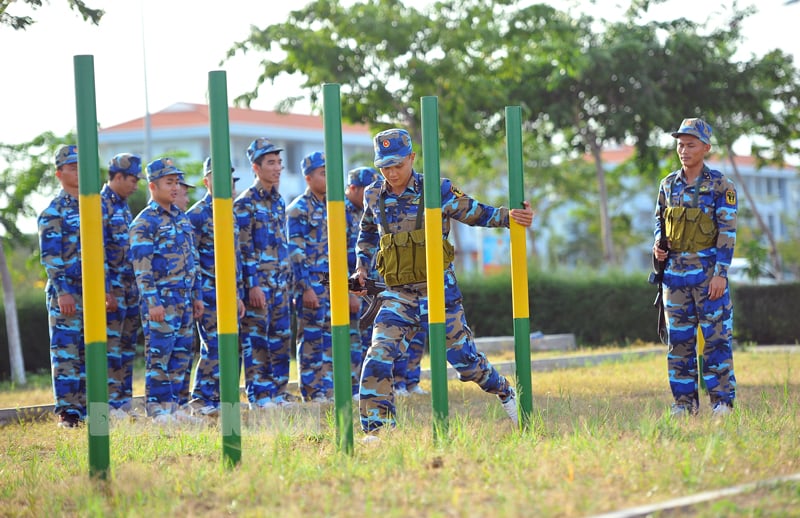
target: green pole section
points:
(337, 257)
(225, 268)
(92, 266)
(519, 266)
(434, 259)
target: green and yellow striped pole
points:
(434, 257)
(701, 348)
(519, 266)
(92, 262)
(225, 267)
(337, 261)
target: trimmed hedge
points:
(618, 309)
(598, 310)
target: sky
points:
(185, 39)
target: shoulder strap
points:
(420, 211)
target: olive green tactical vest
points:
(401, 257)
(689, 229)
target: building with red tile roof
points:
(182, 129)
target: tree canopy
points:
(18, 22)
(584, 84)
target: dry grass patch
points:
(601, 440)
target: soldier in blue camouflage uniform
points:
(60, 246)
(405, 306)
(205, 393)
(165, 263)
(307, 228)
(266, 327)
(182, 202)
(699, 208)
(407, 368)
(122, 298)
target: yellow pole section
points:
(337, 255)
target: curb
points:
(699, 498)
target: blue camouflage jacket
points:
(261, 218)
(307, 228)
(163, 253)
(201, 215)
(60, 244)
(716, 197)
(401, 214)
(117, 219)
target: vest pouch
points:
(401, 258)
(689, 229)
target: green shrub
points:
(606, 309)
(617, 308)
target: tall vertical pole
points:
(434, 257)
(519, 266)
(92, 266)
(225, 268)
(148, 130)
(337, 257)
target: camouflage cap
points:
(207, 168)
(695, 127)
(126, 163)
(161, 167)
(362, 176)
(260, 147)
(391, 147)
(66, 155)
(313, 161)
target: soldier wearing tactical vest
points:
(392, 229)
(698, 208)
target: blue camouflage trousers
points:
(403, 314)
(167, 350)
(407, 368)
(206, 381)
(67, 357)
(686, 307)
(359, 343)
(315, 345)
(266, 337)
(123, 333)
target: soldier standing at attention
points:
(182, 201)
(60, 246)
(122, 299)
(266, 327)
(307, 224)
(698, 207)
(394, 209)
(165, 264)
(205, 393)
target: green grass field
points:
(601, 440)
